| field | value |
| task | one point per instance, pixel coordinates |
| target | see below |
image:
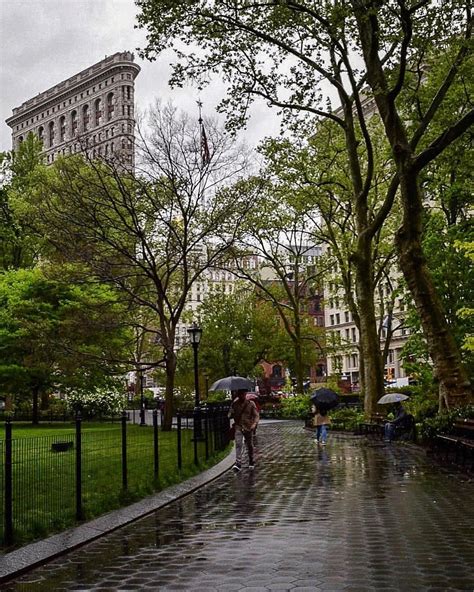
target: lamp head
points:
(195, 333)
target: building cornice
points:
(83, 80)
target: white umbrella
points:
(392, 398)
(232, 383)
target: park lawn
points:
(24, 429)
(44, 481)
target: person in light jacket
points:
(245, 416)
(321, 422)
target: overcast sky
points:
(43, 42)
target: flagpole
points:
(199, 104)
(205, 154)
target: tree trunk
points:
(35, 416)
(44, 400)
(8, 402)
(452, 377)
(441, 344)
(298, 366)
(371, 359)
(169, 390)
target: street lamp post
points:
(195, 333)
(142, 401)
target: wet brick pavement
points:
(354, 516)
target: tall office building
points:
(91, 112)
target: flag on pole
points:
(205, 152)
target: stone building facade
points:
(91, 112)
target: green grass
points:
(23, 429)
(44, 481)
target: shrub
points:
(295, 407)
(443, 422)
(347, 418)
(98, 403)
(217, 397)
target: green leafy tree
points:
(150, 233)
(57, 334)
(278, 234)
(289, 53)
(19, 174)
(237, 333)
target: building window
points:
(338, 319)
(110, 106)
(51, 134)
(98, 111)
(62, 129)
(74, 122)
(41, 133)
(331, 319)
(347, 334)
(346, 316)
(354, 334)
(85, 117)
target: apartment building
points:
(343, 337)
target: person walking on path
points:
(321, 422)
(245, 416)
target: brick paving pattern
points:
(355, 516)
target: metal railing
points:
(48, 483)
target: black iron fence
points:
(48, 483)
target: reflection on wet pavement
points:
(352, 516)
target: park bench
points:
(61, 446)
(374, 428)
(458, 446)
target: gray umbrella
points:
(232, 383)
(392, 398)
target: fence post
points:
(196, 419)
(178, 422)
(79, 509)
(206, 431)
(219, 427)
(124, 450)
(8, 534)
(155, 444)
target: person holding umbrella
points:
(321, 422)
(401, 417)
(323, 399)
(245, 416)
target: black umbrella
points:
(325, 399)
(232, 383)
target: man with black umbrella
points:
(245, 416)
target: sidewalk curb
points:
(21, 560)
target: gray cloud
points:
(45, 41)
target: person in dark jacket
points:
(400, 419)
